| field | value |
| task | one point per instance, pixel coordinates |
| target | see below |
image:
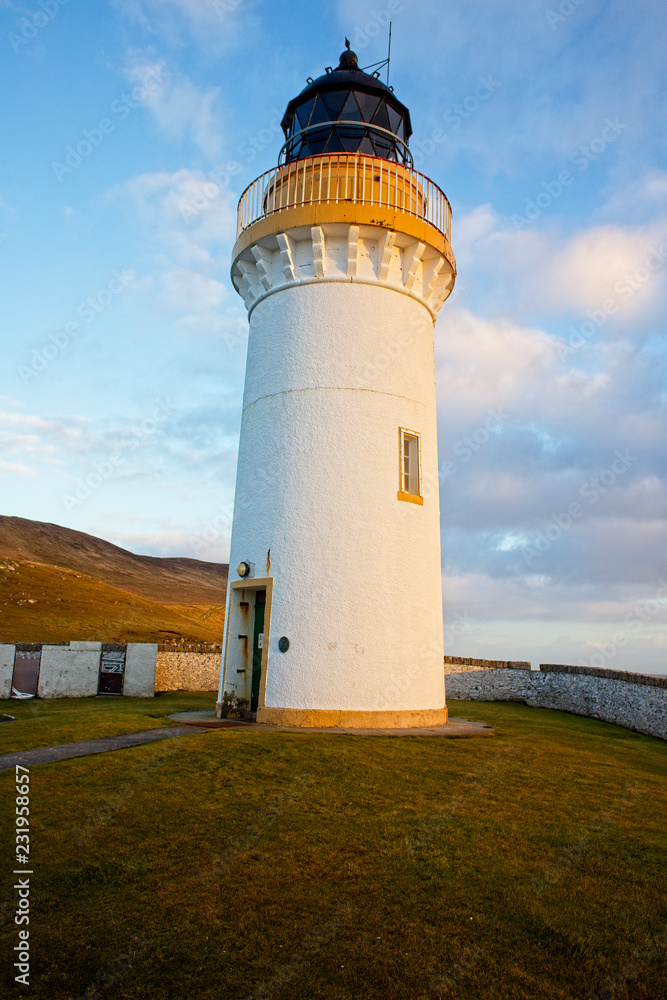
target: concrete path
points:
(452, 730)
(44, 755)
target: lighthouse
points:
(343, 260)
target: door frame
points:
(236, 596)
(255, 638)
(112, 647)
(19, 649)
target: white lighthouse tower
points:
(343, 259)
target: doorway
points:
(246, 657)
(257, 647)
(112, 668)
(25, 678)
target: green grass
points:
(242, 864)
(44, 723)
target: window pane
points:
(351, 112)
(366, 146)
(314, 143)
(349, 143)
(334, 144)
(303, 113)
(410, 477)
(294, 151)
(381, 117)
(334, 103)
(368, 104)
(395, 120)
(319, 113)
(383, 147)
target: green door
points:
(257, 646)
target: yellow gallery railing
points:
(341, 178)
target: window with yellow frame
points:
(410, 466)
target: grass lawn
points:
(45, 723)
(277, 865)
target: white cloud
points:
(543, 269)
(177, 543)
(18, 468)
(160, 435)
(189, 221)
(213, 24)
(610, 263)
(180, 109)
(39, 434)
(187, 211)
(208, 12)
(482, 363)
(641, 200)
(196, 297)
(523, 435)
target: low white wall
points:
(72, 670)
(69, 671)
(635, 701)
(6, 669)
(140, 663)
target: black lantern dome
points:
(347, 111)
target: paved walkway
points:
(44, 755)
(452, 730)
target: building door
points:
(112, 669)
(257, 647)
(26, 670)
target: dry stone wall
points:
(635, 701)
(464, 664)
(188, 667)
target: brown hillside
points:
(167, 581)
(40, 603)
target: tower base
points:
(323, 718)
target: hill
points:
(58, 584)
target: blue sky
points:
(123, 342)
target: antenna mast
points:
(388, 53)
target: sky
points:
(131, 127)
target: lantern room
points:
(347, 111)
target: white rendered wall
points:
(70, 671)
(334, 369)
(6, 669)
(140, 665)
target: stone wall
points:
(635, 701)
(188, 667)
(464, 664)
